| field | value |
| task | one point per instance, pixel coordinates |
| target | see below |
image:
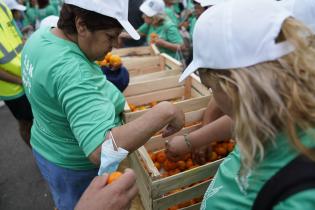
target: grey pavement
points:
(21, 184)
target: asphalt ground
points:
(21, 184)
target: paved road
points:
(21, 184)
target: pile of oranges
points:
(153, 38)
(110, 60)
(135, 108)
(167, 167)
(113, 177)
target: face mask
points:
(110, 159)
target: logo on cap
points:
(151, 4)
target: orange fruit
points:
(153, 103)
(189, 163)
(169, 165)
(132, 107)
(113, 177)
(185, 204)
(115, 61)
(181, 165)
(187, 156)
(173, 172)
(161, 157)
(173, 208)
(220, 150)
(230, 146)
(153, 37)
(152, 156)
(108, 56)
(212, 156)
(157, 165)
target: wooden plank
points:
(148, 162)
(141, 71)
(172, 63)
(158, 142)
(194, 116)
(195, 93)
(143, 183)
(187, 93)
(133, 51)
(185, 195)
(154, 75)
(186, 106)
(193, 103)
(162, 186)
(192, 207)
(196, 83)
(152, 85)
(154, 50)
(141, 63)
(161, 95)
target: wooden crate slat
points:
(142, 64)
(143, 181)
(149, 163)
(161, 95)
(162, 186)
(152, 85)
(136, 51)
(158, 142)
(187, 93)
(193, 103)
(185, 195)
(194, 116)
(193, 207)
(171, 63)
(155, 75)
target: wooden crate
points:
(140, 65)
(163, 86)
(154, 190)
(137, 51)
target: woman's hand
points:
(177, 148)
(176, 124)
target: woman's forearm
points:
(5, 76)
(220, 129)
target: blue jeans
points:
(66, 185)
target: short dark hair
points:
(93, 21)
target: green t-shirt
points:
(226, 192)
(167, 31)
(73, 104)
(172, 15)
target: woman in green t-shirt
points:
(159, 29)
(263, 79)
(77, 112)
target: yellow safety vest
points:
(10, 53)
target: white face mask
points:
(110, 159)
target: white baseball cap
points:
(303, 10)
(237, 34)
(117, 9)
(50, 21)
(152, 7)
(12, 4)
(205, 3)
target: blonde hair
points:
(272, 97)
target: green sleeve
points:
(144, 29)
(304, 200)
(89, 113)
(173, 35)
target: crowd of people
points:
(256, 56)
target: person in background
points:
(31, 13)
(265, 85)
(135, 18)
(158, 29)
(170, 11)
(11, 90)
(78, 132)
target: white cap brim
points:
(147, 10)
(129, 29)
(205, 3)
(19, 7)
(191, 68)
